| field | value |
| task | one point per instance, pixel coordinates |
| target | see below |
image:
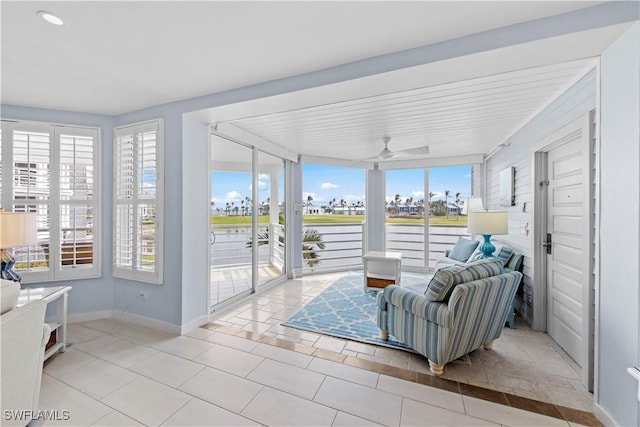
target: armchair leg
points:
(489, 345)
(436, 368)
(384, 335)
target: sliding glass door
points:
(237, 253)
(271, 228)
(230, 232)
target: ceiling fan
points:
(387, 154)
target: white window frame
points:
(132, 271)
(55, 271)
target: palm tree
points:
(396, 202)
(309, 200)
(247, 200)
(446, 206)
(311, 240)
(457, 206)
(431, 194)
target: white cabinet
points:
(56, 295)
(381, 269)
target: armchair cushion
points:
(505, 254)
(445, 279)
(463, 249)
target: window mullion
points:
(135, 201)
(7, 166)
(55, 264)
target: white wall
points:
(571, 105)
(618, 317)
(196, 214)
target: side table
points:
(381, 269)
(57, 295)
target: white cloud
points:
(328, 185)
(417, 194)
(316, 198)
(261, 186)
(233, 195)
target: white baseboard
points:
(297, 273)
(190, 326)
(602, 415)
(148, 322)
(87, 317)
(128, 317)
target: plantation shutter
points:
(138, 202)
(31, 192)
(78, 203)
(50, 170)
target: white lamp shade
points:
(487, 222)
(472, 204)
(18, 229)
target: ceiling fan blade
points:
(418, 151)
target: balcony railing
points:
(343, 245)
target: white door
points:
(568, 256)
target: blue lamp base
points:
(486, 248)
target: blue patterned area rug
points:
(343, 310)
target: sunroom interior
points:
(501, 98)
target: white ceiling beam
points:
(236, 134)
(471, 159)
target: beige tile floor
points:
(116, 374)
(523, 362)
(120, 374)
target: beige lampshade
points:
(18, 229)
(488, 222)
(472, 204)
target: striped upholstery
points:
(505, 254)
(445, 279)
(474, 315)
(515, 262)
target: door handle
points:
(547, 244)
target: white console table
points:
(57, 295)
(381, 269)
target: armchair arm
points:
(416, 304)
(46, 334)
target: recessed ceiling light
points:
(50, 17)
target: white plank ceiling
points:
(461, 118)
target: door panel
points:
(568, 263)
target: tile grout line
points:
(579, 415)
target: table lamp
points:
(487, 223)
(16, 229)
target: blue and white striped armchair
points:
(470, 314)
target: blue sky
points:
(325, 183)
